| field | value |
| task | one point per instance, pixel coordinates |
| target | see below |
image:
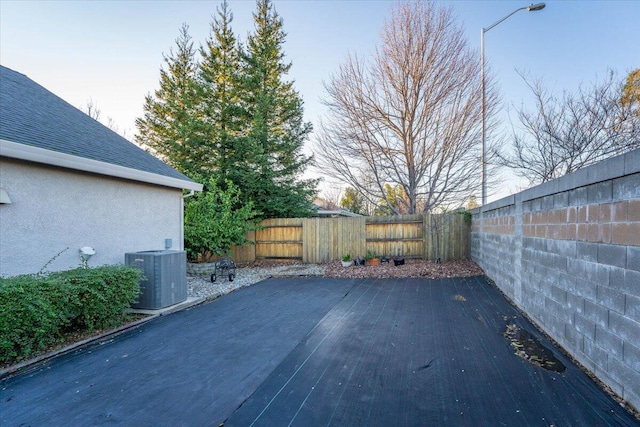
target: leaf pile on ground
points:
(411, 268)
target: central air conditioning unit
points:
(165, 277)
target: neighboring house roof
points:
(36, 125)
(320, 211)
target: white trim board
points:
(54, 158)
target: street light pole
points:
(530, 8)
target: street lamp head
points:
(534, 7)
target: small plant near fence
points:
(38, 310)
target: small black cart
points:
(224, 267)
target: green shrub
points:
(36, 310)
(213, 224)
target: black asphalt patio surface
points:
(316, 351)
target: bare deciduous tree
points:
(410, 117)
(564, 134)
(91, 110)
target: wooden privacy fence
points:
(317, 240)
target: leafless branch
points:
(564, 134)
(411, 116)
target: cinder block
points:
(608, 380)
(596, 313)
(566, 248)
(632, 396)
(572, 338)
(634, 210)
(623, 373)
(614, 255)
(619, 211)
(547, 203)
(633, 258)
(632, 308)
(626, 187)
(528, 242)
(605, 213)
(574, 303)
(578, 196)
(598, 355)
(597, 273)
(587, 251)
(544, 286)
(632, 355)
(585, 326)
(604, 232)
(593, 233)
(610, 342)
(625, 234)
(560, 263)
(576, 268)
(627, 280)
(561, 200)
(558, 294)
(558, 315)
(536, 204)
(600, 192)
(607, 169)
(632, 165)
(540, 244)
(611, 298)
(565, 282)
(623, 327)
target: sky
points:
(111, 51)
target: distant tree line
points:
(226, 116)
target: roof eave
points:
(30, 153)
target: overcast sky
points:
(111, 51)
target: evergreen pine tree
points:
(276, 127)
(167, 128)
(223, 115)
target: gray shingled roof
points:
(31, 115)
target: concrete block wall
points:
(567, 252)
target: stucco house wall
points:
(67, 181)
(53, 209)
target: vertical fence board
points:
(245, 253)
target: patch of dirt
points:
(528, 347)
(411, 268)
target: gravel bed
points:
(201, 287)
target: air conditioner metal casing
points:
(165, 277)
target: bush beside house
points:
(37, 310)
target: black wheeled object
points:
(224, 267)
